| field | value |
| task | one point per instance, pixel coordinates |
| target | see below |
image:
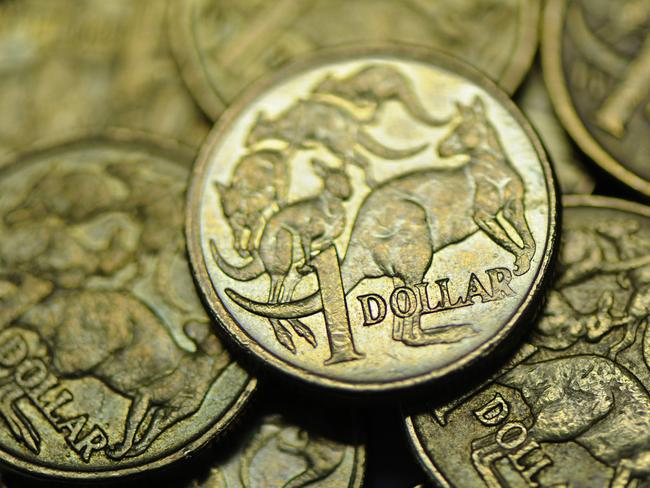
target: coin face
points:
(534, 101)
(222, 46)
(71, 65)
(571, 407)
(372, 219)
(289, 451)
(597, 65)
(108, 365)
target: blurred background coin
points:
(572, 172)
(571, 407)
(372, 219)
(596, 57)
(108, 364)
(224, 45)
(77, 64)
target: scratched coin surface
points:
(289, 450)
(571, 407)
(71, 65)
(372, 219)
(224, 45)
(108, 364)
(572, 172)
(596, 57)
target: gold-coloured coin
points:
(571, 407)
(290, 451)
(372, 219)
(224, 45)
(596, 56)
(534, 101)
(70, 65)
(108, 365)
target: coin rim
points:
(203, 164)
(553, 32)
(425, 460)
(213, 102)
(182, 156)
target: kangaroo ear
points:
(221, 188)
(320, 167)
(478, 106)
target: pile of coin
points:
(408, 238)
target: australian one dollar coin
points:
(224, 45)
(108, 363)
(571, 408)
(76, 65)
(372, 219)
(289, 450)
(597, 67)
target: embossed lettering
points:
(373, 307)
(500, 279)
(403, 302)
(494, 412)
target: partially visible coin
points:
(372, 219)
(224, 45)
(571, 407)
(534, 101)
(289, 450)
(108, 365)
(596, 57)
(71, 65)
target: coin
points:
(108, 365)
(223, 45)
(289, 450)
(372, 219)
(571, 407)
(534, 101)
(71, 65)
(597, 66)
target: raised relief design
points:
(605, 60)
(585, 380)
(85, 294)
(400, 226)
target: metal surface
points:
(224, 45)
(596, 58)
(571, 407)
(108, 365)
(372, 219)
(70, 65)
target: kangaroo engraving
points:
(406, 220)
(321, 455)
(259, 185)
(116, 338)
(309, 122)
(375, 85)
(594, 402)
(313, 224)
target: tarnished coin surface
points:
(372, 219)
(70, 65)
(571, 407)
(290, 451)
(108, 364)
(224, 45)
(596, 56)
(534, 101)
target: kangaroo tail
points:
(414, 106)
(307, 477)
(377, 148)
(289, 310)
(247, 272)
